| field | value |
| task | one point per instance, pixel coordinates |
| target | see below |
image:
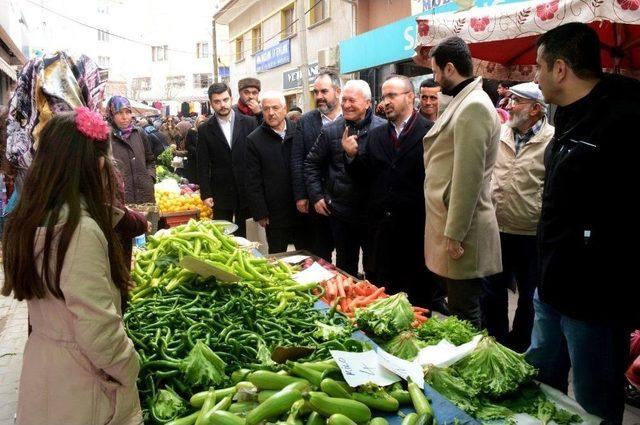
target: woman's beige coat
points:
(459, 153)
(79, 366)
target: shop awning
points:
(502, 38)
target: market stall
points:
(502, 38)
(227, 336)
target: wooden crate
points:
(177, 218)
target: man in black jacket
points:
(587, 298)
(331, 190)
(391, 167)
(268, 176)
(326, 90)
(221, 158)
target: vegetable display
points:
(452, 329)
(386, 317)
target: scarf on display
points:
(397, 141)
(244, 109)
(115, 105)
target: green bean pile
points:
(239, 322)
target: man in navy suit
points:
(221, 158)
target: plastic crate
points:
(177, 218)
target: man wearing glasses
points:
(516, 188)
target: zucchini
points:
(197, 400)
(338, 419)
(208, 404)
(239, 375)
(322, 366)
(265, 394)
(402, 396)
(381, 400)
(333, 388)
(316, 418)
(187, 420)
(410, 419)
(274, 406)
(242, 407)
(379, 421)
(299, 409)
(266, 380)
(222, 417)
(425, 419)
(327, 406)
(420, 402)
(310, 375)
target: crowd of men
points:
(449, 205)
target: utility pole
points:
(214, 49)
(304, 60)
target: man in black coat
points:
(248, 103)
(331, 190)
(391, 166)
(326, 90)
(268, 175)
(587, 299)
(221, 151)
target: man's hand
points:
(321, 207)
(254, 105)
(209, 202)
(149, 227)
(303, 205)
(349, 143)
(264, 222)
(454, 249)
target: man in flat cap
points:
(248, 104)
(516, 191)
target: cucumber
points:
(266, 380)
(420, 402)
(402, 396)
(310, 375)
(327, 406)
(197, 400)
(379, 421)
(242, 407)
(222, 417)
(333, 388)
(338, 419)
(316, 418)
(410, 419)
(188, 420)
(274, 406)
(379, 401)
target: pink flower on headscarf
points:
(91, 124)
(547, 11)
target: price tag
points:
(403, 368)
(316, 273)
(362, 368)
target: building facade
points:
(264, 40)
(13, 43)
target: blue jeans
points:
(597, 352)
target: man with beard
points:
(248, 104)
(332, 192)
(390, 168)
(220, 156)
(462, 242)
(516, 188)
(326, 90)
(429, 91)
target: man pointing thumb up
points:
(349, 143)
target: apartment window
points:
(103, 35)
(176, 81)
(256, 39)
(318, 11)
(239, 48)
(287, 25)
(159, 53)
(104, 61)
(202, 81)
(141, 83)
(202, 50)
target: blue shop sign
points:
(274, 56)
(394, 42)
